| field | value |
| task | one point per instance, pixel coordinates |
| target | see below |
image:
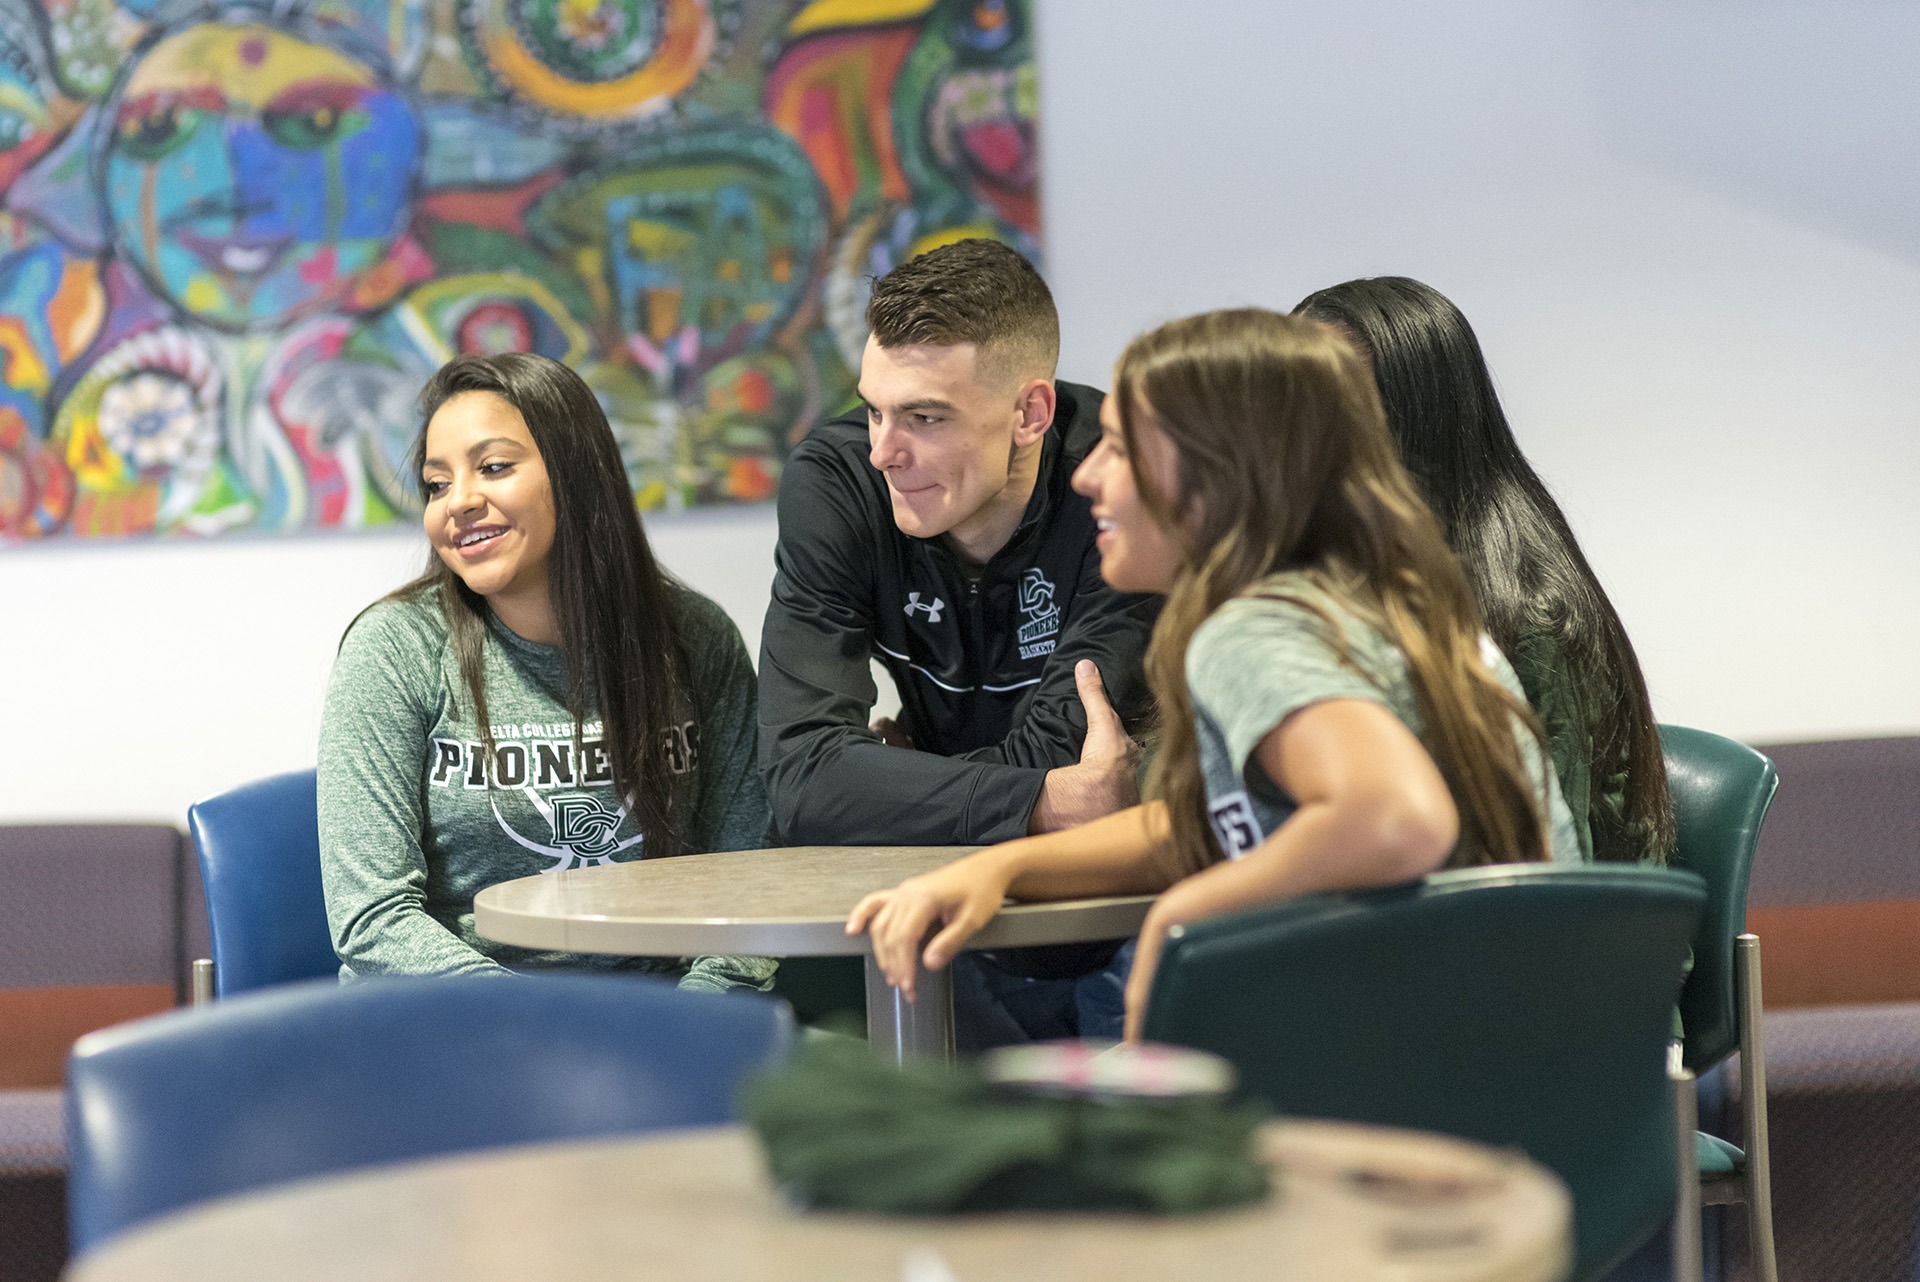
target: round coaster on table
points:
(1117, 1070)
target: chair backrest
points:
(1522, 1005)
(260, 863)
(1721, 790)
(318, 1077)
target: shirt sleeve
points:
(1256, 662)
(373, 749)
(731, 806)
(1112, 629)
(1259, 660)
(1563, 837)
(1541, 668)
(829, 778)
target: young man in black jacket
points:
(935, 531)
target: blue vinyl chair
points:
(1521, 1005)
(306, 1079)
(260, 863)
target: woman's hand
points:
(960, 898)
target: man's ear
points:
(1036, 401)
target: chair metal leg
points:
(1753, 1109)
(202, 991)
(1686, 1210)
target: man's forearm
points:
(845, 787)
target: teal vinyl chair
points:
(1524, 1005)
(1721, 791)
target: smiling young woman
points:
(544, 697)
(1332, 716)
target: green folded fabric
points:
(844, 1130)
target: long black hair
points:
(1519, 553)
(619, 628)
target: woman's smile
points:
(478, 541)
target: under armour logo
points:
(584, 831)
(933, 611)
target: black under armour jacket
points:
(984, 667)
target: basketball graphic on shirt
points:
(584, 826)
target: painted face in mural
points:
(254, 175)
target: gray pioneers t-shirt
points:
(413, 823)
(1256, 660)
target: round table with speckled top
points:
(1348, 1204)
(791, 902)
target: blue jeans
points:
(992, 1006)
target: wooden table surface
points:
(1350, 1203)
(790, 902)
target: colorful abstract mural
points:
(235, 239)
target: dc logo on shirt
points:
(932, 611)
(1234, 825)
(1036, 635)
(585, 830)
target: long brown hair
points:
(1285, 464)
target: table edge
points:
(1015, 926)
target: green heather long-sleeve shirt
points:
(413, 823)
(1599, 804)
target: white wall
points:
(1705, 324)
(1685, 232)
(174, 672)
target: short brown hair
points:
(971, 291)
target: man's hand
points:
(892, 733)
(1104, 780)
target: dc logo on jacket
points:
(1041, 615)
